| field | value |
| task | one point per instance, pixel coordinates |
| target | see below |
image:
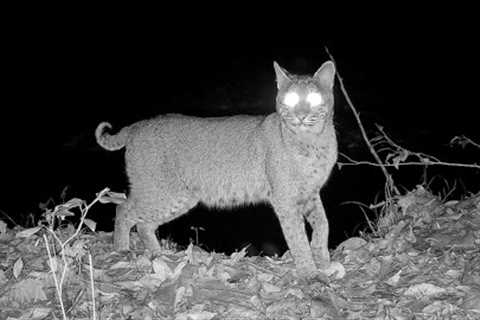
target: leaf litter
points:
(422, 263)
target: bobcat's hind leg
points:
(154, 217)
(146, 232)
(123, 224)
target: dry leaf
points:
(161, 269)
(179, 293)
(143, 262)
(64, 210)
(92, 225)
(151, 281)
(178, 269)
(40, 313)
(189, 253)
(72, 203)
(27, 232)
(195, 315)
(472, 302)
(424, 290)
(77, 249)
(112, 197)
(394, 279)
(373, 267)
(3, 278)
(237, 256)
(3, 228)
(336, 269)
(262, 276)
(353, 243)
(17, 267)
(270, 288)
(120, 265)
(28, 291)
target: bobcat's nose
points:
(301, 111)
(301, 116)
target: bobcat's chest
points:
(314, 162)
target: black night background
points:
(420, 85)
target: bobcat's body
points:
(174, 162)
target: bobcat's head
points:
(305, 103)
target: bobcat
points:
(174, 162)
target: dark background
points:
(61, 79)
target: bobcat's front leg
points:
(293, 227)
(318, 221)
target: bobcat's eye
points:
(314, 98)
(291, 99)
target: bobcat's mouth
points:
(307, 122)
(305, 125)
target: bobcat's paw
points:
(335, 269)
(322, 259)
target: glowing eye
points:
(314, 99)
(291, 99)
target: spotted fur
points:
(174, 162)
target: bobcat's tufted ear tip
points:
(281, 74)
(326, 74)
(277, 68)
(329, 64)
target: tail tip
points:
(101, 127)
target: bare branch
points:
(362, 129)
(464, 141)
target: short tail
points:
(108, 141)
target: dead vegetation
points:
(425, 266)
(419, 260)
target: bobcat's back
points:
(219, 160)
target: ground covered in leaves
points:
(422, 262)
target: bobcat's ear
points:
(325, 75)
(282, 75)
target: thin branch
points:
(463, 141)
(411, 163)
(92, 287)
(84, 215)
(58, 285)
(8, 217)
(362, 129)
(398, 147)
(59, 282)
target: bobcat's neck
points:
(315, 138)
